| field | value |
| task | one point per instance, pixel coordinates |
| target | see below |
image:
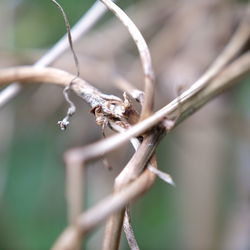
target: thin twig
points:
(164, 176)
(86, 91)
(232, 49)
(124, 85)
(129, 232)
(130, 172)
(223, 81)
(72, 108)
(235, 71)
(113, 203)
(66, 21)
(74, 191)
(145, 56)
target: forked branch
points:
(113, 203)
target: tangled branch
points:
(139, 174)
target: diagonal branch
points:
(115, 202)
(86, 91)
(226, 79)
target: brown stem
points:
(127, 227)
(131, 171)
(118, 200)
(145, 56)
(86, 91)
(226, 79)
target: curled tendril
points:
(72, 109)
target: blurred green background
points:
(32, 174)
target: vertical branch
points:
(130, 173)
(113, 231)
(66, 21)
(74, 190)
(129, 231)
(145, 56)
(118, 200)
(71, 110)
(113, 228)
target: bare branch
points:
(232, 49)
(124, 85)
(131, 171)
(225, 80)
(145, 56)
(118, 200)
(72, 108)
(74, 191)
(90, 94)
(88, 220)
(164, 176)
(127, 227)
(235, 71)
(66, 21)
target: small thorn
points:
(164, 176)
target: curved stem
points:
(145, 56)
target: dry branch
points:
(145, 56)
(226, 79)
(233, 73)
(133, 181)
(109, 104)
(129, 231)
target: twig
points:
(88, 220)
(87, 92)
(66, 21)
(127, 227)
(200, 89)
(235, 71)
(164, 176)
(143, 50)
(232, 49)
(72, 108)
(130, 172)
(86, 22)
(225, 80)
(124, 85)
(74, 191)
